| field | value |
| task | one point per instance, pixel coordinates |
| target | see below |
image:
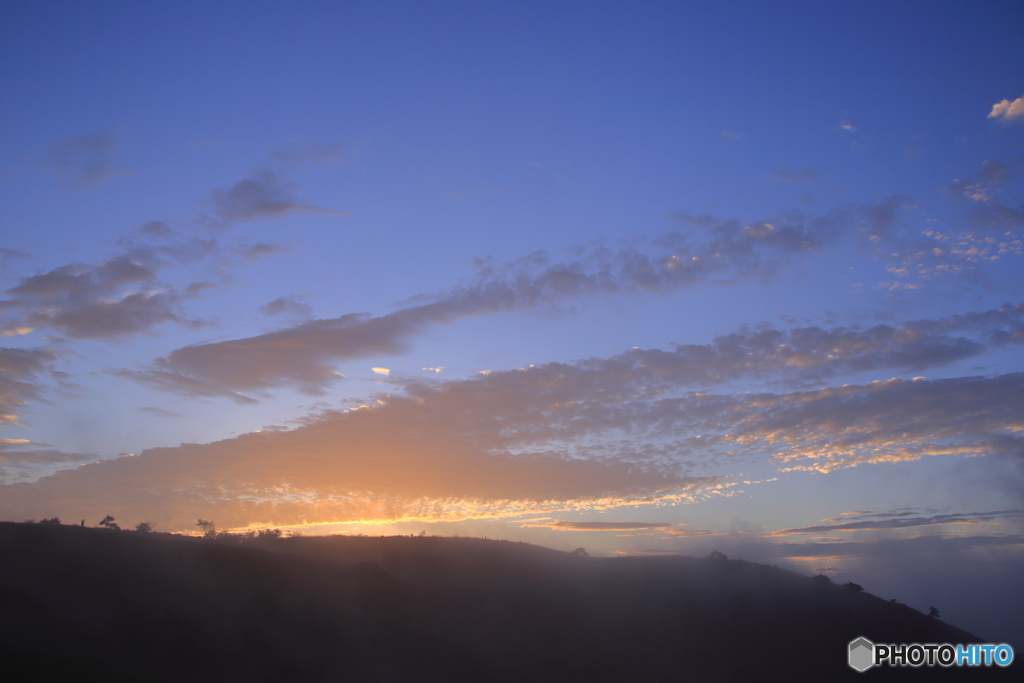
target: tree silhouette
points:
(715, 555)
(208, 527)
(268, 534)
(52, 520)
(109, 522)
(933, 612)
(144, 527)
(580, 552)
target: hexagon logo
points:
(862, 654)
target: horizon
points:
(655, 280)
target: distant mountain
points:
(97, 604)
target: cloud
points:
(20, 370)
(1008, 111)
(967, 252)
(594, 435)
(260, 250)
(116, 298)
(731, 136)
(286, 305)
(403, 458)
(786, 174)
(883, 421)
(83, 301)
(599, 526)
(381, 371)
(991, 175)
(901, 521)
(512, 443)
(881, 216)
(264, 194)
(992, 209)
(994, 172)
(156, 229)
(691, 533)
(673, 530)
(303, 355)
(17, 331)
(156, 412)
(20, 459)
(86, 160)
(13, 254)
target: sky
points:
(644, 278)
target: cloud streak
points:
(304, 355)
(704, 252)
(905, 522)
(263, 194)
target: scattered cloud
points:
(119, 297)
(992, 210)
(288, 306)
(264, 194)
(381, 371)
(731, 136)
(991, 175)
(86, 160)
(881, 217)
(256, 252)
(116, 298)
(1007, 110)
(304, 355)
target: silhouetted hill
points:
(96, 604)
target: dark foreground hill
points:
(93, 604)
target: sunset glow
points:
(669, 278)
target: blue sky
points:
(655, 278)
